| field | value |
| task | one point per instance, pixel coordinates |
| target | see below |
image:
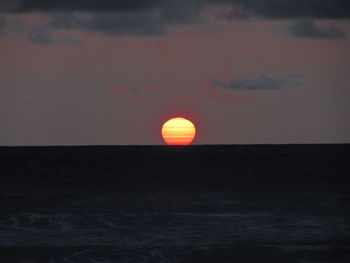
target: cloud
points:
(3, 25)
(262, 82)
(287, 9)
(126, 94)
(10, 25)
(134, 89)
(150, 19)
(38, 33)
(308, 29)
(41, 35)
(156, 17)
(72, 41)
(76, 5)
(110, 23)
(241, 8)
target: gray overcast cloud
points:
(259, 83)
(319, 9)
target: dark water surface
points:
(227, 203)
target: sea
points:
(175, 204)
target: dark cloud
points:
(155, 17)
(308, 29)
(72, 41)
(141, 22)
(286, 9)
(37, 34)
(9, 5)
(241, 8)
(40, 35)
(10, 25)
(76, 5)
(259, 83)
(111, 23)
(135, 89)
(3, 25)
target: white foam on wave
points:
(227, 214)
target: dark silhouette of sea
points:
(193, 204)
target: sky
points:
(103, 72)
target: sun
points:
(178, 131)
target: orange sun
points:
(178, 131)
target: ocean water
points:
(175, 204)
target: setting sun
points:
(178, 131)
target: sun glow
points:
(178, 131)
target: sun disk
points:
(178, 131)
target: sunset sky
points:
(77, 72)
